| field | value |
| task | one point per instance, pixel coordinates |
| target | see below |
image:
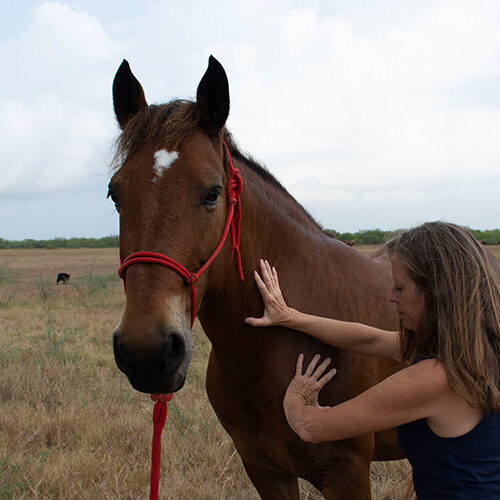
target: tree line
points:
(363, 237)
(378, 237)
(105, 242)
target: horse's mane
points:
(168, 124)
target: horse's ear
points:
(128, 95)
(213, 97)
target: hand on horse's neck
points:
(274, 227)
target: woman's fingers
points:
(318, 372)
(258, 280)
(299, 365)
(265, 269)
(255, 321)
(327, 377)
(269, 277)
(268, 273)
(322, 367)
(264, 281)
(312, 366)
(275, 276)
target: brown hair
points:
(460, 324)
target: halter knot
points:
(234, 184)
(193, 278)
(161, 398)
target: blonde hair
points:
(460, 324)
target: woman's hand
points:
(276, 312)
(302, 396)
(306, 386)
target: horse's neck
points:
(277, 227)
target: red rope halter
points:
(233, 224)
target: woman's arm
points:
(346, 335)
(413, 393)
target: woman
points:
(446, 402)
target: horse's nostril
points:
(171, 355)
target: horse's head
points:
(169, 189)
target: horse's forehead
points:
(163, 161)
(153, 160)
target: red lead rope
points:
(233, 224)
(159, 417)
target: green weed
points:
(43, 288)
(55, 341)
(11, 478)
(8, 301)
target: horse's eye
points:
(212, 196)
(113, 199)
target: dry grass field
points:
(71, 427)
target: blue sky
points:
(372, 114)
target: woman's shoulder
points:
(449, 414)
(414, 392)
(426, 385)
(428, 371)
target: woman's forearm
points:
(302, 418)
(343, 334)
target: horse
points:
(173, 165)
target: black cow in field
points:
(64, 277)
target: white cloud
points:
(365, 105)
(50, 145)
(54, 129)
(64, 32)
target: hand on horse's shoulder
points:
(276, 311)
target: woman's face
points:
(406, 296)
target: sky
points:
(373, 114)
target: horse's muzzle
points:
(156, 369)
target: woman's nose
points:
(393, 298)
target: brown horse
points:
(169, 186)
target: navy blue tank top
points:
(461, 468)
